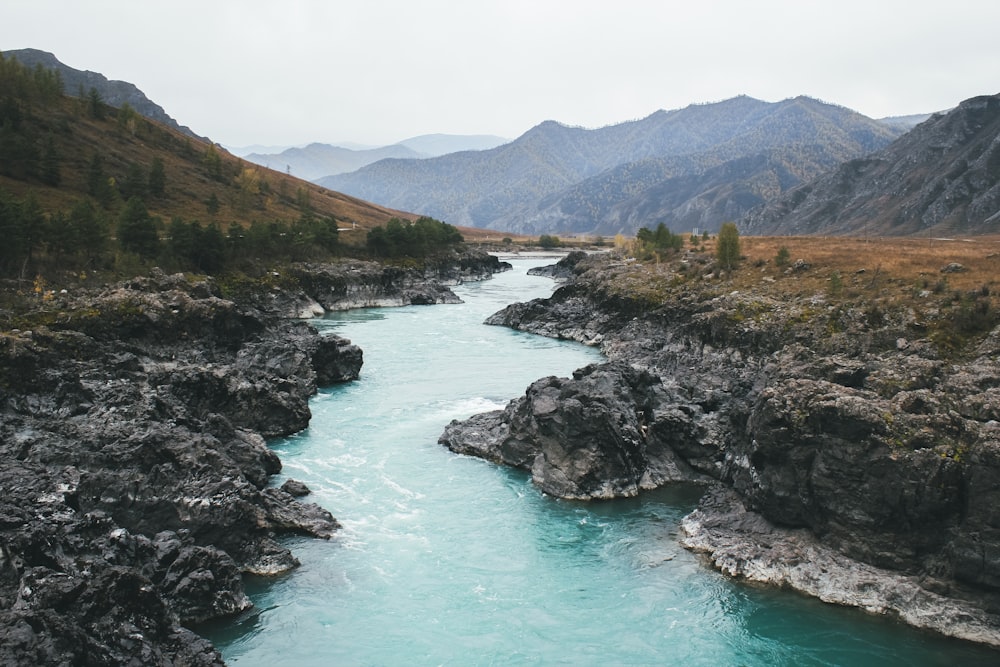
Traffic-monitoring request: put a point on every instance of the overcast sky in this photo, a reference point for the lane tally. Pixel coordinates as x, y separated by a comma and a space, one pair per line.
289, 72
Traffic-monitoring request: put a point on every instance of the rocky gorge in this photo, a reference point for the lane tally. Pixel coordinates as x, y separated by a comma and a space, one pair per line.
134, 471
849, 450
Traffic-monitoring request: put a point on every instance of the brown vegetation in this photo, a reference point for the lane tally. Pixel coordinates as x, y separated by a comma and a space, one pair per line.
194, 172
868, 263
941, 289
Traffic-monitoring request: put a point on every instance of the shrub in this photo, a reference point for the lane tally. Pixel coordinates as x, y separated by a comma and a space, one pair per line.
548, 241
783, 258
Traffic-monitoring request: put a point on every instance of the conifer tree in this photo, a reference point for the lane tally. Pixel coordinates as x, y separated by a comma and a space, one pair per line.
50, 164
95, 104
157, 180
137, 231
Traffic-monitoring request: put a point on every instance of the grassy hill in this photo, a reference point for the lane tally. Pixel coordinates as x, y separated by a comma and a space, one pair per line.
194, 171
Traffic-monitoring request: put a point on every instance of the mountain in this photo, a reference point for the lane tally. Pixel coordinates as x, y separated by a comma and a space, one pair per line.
434, 145
243, 151
682, 191
317, 160
113, 93
941, 178
907, 123
559, 178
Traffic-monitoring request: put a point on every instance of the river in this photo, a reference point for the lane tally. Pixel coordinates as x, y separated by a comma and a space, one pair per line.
450, 560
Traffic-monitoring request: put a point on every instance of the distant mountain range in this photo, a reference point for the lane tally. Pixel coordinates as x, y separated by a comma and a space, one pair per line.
113, 93
318, 160
799, 166
692, 167
941, 178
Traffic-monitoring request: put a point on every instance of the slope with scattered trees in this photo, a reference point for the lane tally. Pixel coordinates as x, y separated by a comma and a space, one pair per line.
87, 187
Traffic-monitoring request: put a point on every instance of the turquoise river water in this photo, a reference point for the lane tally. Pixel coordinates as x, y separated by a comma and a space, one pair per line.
450, 560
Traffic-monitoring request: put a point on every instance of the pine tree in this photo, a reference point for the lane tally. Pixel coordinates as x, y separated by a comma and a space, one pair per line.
90, 229
98, 184
50, 164
157, 180
95, 104
137, 231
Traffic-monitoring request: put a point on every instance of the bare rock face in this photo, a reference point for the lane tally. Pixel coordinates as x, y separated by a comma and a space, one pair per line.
581, 438
134, 472
309, 290
747, 546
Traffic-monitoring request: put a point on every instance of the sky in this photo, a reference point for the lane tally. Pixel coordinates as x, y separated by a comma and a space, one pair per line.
291, 72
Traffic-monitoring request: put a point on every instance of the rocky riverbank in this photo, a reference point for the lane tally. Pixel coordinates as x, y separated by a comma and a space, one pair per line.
853, 455
134, 474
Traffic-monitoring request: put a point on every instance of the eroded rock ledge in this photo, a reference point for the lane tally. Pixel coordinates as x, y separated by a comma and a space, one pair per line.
134, 473
852, 462
309, 290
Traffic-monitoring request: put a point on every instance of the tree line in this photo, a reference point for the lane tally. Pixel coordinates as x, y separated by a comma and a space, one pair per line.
89, 237
411, 239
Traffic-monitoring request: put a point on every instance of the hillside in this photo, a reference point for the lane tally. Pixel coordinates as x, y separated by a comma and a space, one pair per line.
688, 192
521, 186
941, 178
58, 152
115, 93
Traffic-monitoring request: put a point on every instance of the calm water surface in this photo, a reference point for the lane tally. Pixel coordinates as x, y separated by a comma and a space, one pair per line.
449, 560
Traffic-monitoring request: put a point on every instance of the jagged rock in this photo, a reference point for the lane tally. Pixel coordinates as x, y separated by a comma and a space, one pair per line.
561, 270
336, 360
744, 545
357, 284
585, 437
139, 413
295, 488
203, 583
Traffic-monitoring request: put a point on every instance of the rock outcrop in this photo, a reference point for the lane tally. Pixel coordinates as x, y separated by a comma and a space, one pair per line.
839, 438
582, 438
309, 290
134, 472
562, 270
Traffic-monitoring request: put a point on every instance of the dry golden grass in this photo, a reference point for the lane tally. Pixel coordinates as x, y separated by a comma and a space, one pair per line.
905, 261
884, 279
